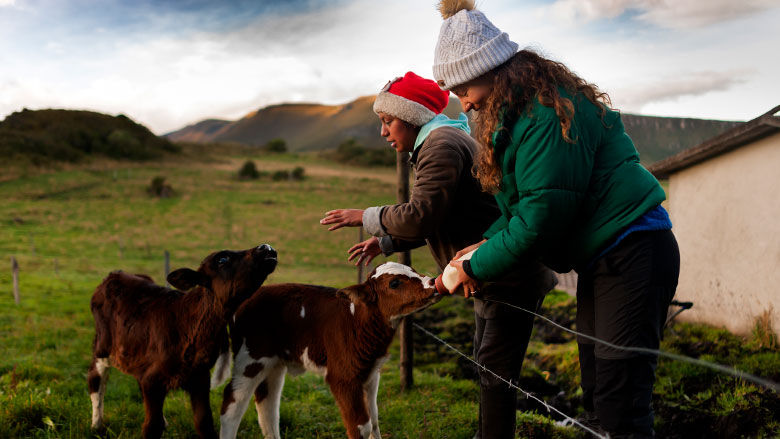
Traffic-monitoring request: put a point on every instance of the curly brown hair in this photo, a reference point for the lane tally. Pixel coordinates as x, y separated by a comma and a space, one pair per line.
514, 86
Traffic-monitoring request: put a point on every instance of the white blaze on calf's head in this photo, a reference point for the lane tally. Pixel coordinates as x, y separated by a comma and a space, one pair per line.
401, 269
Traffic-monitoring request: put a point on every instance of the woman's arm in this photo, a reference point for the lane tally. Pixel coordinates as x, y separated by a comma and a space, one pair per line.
550, 180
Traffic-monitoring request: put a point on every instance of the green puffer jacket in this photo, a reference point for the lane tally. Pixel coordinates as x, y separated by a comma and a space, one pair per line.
562, 202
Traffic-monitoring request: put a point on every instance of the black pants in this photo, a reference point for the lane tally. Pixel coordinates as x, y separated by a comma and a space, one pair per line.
623, 299
500, 341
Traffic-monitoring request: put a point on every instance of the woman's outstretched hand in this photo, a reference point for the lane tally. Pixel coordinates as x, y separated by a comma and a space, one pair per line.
469, 285
365, 251
343, 218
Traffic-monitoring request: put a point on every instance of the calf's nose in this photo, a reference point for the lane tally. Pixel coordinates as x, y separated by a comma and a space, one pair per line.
267, 250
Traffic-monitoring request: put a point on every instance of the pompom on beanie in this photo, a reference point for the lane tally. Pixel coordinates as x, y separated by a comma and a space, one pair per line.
469, 44
412, 98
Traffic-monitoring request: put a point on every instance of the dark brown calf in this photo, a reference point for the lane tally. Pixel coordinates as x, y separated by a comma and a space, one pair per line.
340, 334
170, 339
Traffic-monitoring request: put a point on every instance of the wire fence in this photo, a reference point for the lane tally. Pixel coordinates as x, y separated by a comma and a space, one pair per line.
512, 385
714, 366
568, 420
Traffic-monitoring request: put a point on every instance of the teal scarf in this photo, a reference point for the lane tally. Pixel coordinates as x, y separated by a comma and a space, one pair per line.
461, 123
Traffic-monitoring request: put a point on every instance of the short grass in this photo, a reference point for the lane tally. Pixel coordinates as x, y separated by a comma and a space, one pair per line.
69, 227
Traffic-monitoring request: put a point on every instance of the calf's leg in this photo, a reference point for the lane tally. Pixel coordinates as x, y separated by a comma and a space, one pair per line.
370, 389
96, 382
248, 373
352, 404
201, 409
267, 396
154, 397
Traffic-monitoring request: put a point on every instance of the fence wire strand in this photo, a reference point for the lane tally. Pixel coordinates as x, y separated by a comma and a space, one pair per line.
568, 419
510, 384
707, 364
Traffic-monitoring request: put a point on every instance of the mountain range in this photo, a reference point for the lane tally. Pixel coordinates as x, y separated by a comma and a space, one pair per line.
312, 127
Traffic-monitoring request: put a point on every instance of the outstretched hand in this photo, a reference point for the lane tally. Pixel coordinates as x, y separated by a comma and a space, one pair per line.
365, 251
343, 218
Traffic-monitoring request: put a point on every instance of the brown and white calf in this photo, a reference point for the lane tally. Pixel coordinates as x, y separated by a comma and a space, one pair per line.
170, 339
342, 335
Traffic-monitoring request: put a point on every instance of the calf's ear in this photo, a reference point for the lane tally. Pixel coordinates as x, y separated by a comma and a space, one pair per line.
186, 278
360, 293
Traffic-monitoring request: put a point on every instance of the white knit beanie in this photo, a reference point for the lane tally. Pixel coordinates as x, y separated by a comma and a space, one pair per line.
469, 44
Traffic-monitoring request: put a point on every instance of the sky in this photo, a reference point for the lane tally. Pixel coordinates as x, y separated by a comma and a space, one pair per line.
170, 63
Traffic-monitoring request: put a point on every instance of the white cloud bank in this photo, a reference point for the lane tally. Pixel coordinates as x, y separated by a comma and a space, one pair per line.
674, 88
165, 82
334, 55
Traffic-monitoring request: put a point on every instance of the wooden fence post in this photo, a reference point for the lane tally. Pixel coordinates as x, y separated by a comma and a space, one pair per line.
15, 269
407, 343
167, 267
360, 268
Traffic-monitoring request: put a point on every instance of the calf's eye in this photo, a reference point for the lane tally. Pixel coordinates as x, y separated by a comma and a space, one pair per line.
395, 283
223, 260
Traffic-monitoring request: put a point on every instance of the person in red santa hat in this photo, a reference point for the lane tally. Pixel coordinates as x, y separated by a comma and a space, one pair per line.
448, 210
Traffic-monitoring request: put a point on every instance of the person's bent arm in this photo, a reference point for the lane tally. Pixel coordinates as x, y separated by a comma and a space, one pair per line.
551, 177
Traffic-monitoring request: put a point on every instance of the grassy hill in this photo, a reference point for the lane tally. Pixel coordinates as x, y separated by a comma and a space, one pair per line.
657, 138
312, 127
67, 135
305, 127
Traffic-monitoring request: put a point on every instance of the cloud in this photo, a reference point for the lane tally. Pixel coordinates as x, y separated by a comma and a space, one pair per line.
675, 88
7, 3
165, 81
674, 14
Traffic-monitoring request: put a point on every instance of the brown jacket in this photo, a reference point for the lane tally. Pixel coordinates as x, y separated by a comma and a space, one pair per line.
446, 208
448, 211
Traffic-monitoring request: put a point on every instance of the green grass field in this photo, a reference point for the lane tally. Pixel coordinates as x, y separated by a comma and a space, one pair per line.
69, 227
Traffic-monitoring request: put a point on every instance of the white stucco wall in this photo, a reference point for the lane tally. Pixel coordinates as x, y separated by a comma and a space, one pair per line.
726, 216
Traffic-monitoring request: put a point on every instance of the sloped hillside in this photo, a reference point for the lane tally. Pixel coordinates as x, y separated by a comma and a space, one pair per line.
659, 137
308, 127
66, 135
304, 127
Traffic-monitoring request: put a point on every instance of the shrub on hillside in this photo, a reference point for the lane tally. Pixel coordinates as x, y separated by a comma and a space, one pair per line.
248, 171
353, 153
158, 188
297, 173
275, 145
281, 174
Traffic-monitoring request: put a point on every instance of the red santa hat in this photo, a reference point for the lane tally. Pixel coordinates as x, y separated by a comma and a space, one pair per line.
412, 98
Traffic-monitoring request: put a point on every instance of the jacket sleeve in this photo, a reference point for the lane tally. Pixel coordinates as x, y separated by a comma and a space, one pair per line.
389, 245
543, 194
500, 224
435, 183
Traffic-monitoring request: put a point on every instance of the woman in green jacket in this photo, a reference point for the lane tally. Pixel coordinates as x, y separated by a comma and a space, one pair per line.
573, 195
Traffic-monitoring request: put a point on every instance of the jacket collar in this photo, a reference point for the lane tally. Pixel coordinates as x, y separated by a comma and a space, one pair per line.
461, 123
